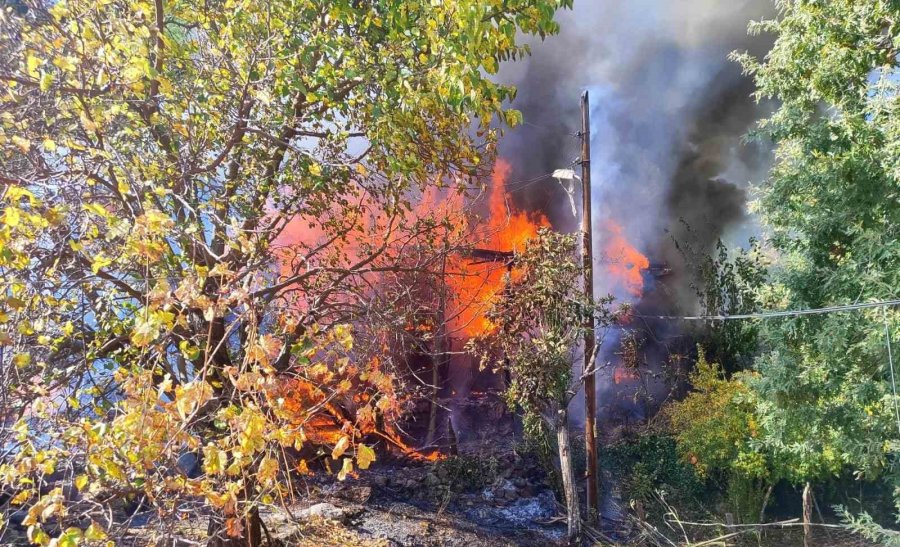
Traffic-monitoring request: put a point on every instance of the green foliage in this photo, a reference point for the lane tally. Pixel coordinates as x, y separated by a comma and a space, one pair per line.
716, 430
865, 526
715, 424
539, 323
540, 443
831, 204
652, 463
744, 496
728, 283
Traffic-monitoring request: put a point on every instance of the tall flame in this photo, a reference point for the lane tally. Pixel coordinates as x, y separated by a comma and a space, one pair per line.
476, 285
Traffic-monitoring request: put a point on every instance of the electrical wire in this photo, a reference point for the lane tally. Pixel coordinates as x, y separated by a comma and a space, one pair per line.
773, 314
887, 340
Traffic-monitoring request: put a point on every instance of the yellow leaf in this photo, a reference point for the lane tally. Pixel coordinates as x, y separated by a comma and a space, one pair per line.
31, 65
21, 497
123, 187
97, 209
95, 532
70, 538
65, 63
81, 481
302, 468
11, 217
215, 460
22, 360
364, 456
46, 81
191, 396
315, 169
21, 143
346, 469
15, 193
100, 261
268, 469
340, 447
49, 145
88, 124
37, 535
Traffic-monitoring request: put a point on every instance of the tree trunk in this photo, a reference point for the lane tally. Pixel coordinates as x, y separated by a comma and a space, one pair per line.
762, 510
432, 416
250, 535
245, 533
568, 476
807, 515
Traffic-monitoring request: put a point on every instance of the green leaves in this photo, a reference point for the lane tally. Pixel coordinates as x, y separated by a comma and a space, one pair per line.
539, 323
831, 207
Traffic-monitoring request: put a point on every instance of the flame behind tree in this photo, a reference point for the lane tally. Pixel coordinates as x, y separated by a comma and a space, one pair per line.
151, 154
623, 265
475, 284
539, 323
426, 288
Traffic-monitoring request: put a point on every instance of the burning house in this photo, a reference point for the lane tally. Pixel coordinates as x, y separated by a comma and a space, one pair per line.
667, 127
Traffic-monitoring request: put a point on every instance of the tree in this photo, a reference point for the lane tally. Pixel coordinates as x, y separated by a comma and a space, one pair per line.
195, 198
824, 390
537, 325
727, 283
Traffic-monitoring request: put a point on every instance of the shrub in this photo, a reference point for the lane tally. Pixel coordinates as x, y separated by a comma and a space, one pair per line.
651, 463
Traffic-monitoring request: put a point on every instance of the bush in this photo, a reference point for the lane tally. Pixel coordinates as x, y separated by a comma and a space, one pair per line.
650, 463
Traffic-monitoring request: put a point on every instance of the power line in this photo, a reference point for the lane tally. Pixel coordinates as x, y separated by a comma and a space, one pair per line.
887, 341
773, 314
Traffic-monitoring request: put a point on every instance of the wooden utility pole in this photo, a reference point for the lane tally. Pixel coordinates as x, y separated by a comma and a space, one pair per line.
590, 387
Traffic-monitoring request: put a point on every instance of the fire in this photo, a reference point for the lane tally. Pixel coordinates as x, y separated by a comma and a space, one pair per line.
333, 422
623, 263
508, 228
624, 375
473, 285
477, 284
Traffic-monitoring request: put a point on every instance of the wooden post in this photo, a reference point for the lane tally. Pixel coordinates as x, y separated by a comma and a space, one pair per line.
729, 522
573, 512
590, 387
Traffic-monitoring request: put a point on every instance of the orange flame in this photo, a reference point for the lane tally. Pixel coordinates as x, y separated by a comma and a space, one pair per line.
476, 285
624, 375
623, 263
473, 285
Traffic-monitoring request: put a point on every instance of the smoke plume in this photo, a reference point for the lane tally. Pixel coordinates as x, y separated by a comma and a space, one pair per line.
669, 113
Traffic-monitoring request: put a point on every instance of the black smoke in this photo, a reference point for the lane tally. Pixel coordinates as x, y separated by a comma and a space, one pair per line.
669, 111
670, 161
